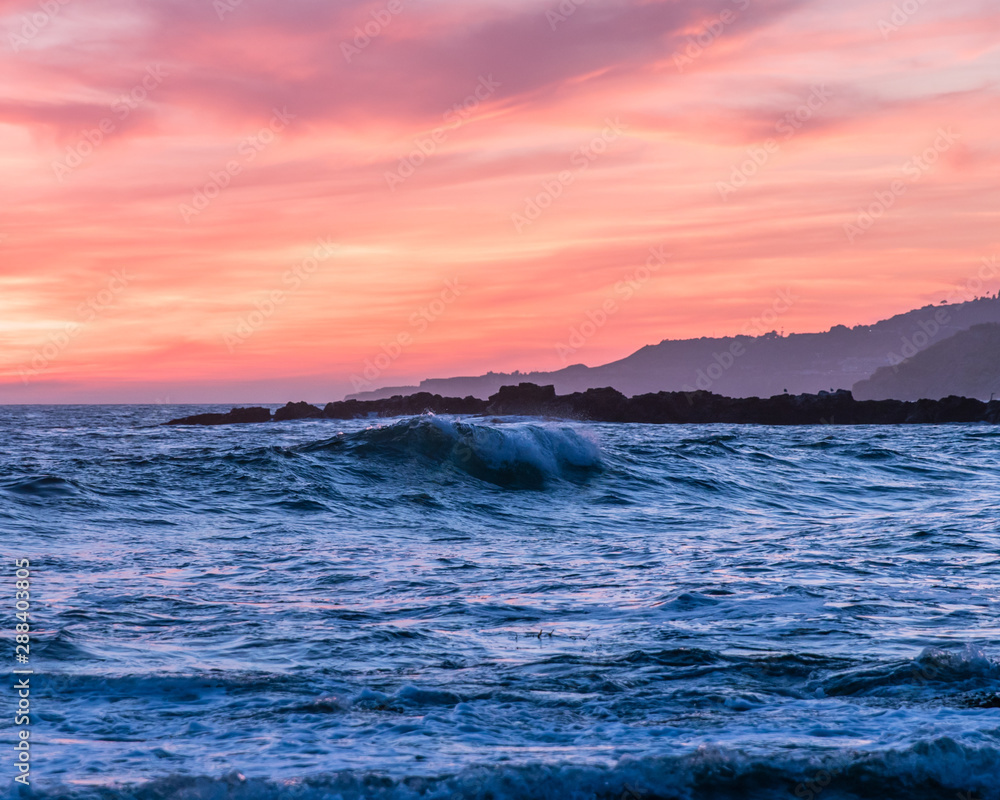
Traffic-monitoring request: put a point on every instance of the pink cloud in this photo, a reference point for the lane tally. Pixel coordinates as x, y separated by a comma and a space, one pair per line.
686, 128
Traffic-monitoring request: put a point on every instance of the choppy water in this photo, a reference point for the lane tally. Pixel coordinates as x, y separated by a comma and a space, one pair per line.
505, 609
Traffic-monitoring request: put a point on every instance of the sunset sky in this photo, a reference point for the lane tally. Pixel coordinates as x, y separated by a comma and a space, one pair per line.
247, 200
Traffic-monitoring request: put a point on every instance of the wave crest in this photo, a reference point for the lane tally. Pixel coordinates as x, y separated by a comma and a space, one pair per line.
512, 455
969, 668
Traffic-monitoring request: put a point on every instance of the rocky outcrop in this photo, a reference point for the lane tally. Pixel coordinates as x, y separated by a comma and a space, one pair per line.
399, 406
525, 398
610, 405
234, 416
301, 410
825, 408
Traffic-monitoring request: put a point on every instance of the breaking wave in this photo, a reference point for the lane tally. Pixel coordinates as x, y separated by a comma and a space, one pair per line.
510, 455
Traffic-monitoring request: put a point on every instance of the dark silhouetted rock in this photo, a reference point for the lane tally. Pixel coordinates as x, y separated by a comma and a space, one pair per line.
297, 411
398, 406
609, 405
236, 415
525, 398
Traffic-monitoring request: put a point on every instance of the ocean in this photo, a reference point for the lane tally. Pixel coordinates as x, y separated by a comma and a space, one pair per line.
435, 607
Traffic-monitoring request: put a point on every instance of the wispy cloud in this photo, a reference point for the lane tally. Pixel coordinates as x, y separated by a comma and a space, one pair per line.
552, 88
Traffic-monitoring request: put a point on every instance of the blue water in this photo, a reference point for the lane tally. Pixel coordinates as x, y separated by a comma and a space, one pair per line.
485, 608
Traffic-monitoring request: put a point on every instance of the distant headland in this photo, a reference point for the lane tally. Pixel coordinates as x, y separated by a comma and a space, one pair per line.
761, 362
610, 405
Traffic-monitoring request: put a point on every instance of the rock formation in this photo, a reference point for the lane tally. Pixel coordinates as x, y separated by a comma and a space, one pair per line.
610, 405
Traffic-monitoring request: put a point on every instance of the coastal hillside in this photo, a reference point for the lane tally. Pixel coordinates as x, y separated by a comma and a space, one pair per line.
966, 364
744, 366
